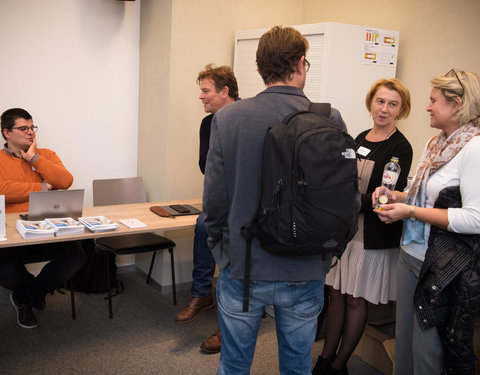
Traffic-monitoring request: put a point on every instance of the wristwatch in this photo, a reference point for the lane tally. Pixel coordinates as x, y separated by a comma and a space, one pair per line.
412, 213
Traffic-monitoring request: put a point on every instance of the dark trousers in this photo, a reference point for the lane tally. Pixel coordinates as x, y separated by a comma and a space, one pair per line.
65, 258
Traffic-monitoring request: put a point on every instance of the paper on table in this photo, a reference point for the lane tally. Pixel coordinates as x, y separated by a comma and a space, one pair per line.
98, 223
133, 223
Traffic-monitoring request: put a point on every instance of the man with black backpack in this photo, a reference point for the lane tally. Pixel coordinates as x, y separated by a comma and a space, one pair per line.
232, 198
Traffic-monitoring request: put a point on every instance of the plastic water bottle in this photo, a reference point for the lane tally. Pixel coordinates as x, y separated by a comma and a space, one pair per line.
389, 180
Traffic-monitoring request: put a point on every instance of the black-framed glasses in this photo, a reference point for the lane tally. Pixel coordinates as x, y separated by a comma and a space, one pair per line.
452, 71
25, 129
307, 65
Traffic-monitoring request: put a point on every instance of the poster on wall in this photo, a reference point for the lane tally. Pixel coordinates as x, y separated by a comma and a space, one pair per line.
2, 218
380, 48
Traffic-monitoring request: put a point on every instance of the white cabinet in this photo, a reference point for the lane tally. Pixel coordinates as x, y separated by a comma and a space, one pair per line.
345, 61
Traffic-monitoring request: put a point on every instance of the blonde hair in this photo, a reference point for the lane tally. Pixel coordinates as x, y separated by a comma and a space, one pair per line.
395, 85
463, 87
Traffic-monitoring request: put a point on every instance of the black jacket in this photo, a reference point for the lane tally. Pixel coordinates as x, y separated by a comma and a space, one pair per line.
204, 141
376, 234
448, 290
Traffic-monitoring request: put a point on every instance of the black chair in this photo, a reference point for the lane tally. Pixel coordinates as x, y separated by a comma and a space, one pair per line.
123, 191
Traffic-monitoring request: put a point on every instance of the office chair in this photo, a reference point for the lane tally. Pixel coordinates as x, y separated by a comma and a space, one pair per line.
123, 191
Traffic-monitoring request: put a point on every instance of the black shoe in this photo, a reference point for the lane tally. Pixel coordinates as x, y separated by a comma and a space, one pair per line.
322, 365
40, 305
336, 371
25, 317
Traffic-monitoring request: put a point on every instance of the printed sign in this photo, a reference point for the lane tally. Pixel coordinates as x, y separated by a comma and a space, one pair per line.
380, 48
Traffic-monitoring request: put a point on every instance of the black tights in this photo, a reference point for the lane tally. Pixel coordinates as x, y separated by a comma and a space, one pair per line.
346, 320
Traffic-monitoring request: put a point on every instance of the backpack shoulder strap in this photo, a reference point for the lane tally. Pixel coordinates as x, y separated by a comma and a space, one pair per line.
322, 109
248, 232
325, 110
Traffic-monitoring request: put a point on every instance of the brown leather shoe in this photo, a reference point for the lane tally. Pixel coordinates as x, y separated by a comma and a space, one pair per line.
213, 344
196, 304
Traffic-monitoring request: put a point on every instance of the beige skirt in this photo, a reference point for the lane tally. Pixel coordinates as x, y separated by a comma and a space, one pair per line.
371, 274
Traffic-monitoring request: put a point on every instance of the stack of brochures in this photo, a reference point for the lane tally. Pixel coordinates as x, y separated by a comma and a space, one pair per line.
64, 226
98, 223
34, 229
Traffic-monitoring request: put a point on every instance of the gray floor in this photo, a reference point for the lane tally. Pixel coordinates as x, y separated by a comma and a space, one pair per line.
141, 339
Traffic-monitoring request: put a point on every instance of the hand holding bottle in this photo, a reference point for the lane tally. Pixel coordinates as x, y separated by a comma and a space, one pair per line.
389, 180
383, 191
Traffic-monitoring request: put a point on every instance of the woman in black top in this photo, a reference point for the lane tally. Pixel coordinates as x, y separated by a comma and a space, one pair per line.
366, 271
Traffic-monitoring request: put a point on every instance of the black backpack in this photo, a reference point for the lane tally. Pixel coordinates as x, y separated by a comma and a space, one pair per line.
310, 199
92, 277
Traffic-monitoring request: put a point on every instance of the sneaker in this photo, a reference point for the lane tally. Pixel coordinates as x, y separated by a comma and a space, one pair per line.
25, 317
40, 305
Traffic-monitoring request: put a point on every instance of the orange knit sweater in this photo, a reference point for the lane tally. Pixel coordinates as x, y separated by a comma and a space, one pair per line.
18, 177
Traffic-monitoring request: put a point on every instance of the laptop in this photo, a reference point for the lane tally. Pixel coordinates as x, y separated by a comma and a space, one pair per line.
55, 203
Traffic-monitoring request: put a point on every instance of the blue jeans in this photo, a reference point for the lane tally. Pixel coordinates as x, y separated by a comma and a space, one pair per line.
417, 351
203, 261
296, 305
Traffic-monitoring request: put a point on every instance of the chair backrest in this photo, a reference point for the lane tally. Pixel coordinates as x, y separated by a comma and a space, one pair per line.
118, 191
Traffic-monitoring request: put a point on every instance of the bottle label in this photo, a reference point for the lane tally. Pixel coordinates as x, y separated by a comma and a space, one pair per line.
390, 177
383, 199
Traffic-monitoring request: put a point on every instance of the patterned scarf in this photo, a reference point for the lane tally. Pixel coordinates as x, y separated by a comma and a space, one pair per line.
440, 150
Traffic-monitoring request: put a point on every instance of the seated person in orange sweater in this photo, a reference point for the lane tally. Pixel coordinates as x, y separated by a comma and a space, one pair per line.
24, 168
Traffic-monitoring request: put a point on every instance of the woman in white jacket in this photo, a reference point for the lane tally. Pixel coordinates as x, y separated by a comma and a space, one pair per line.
450, 159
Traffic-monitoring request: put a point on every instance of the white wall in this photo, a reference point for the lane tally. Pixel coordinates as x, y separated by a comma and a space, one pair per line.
73, 64
178, 38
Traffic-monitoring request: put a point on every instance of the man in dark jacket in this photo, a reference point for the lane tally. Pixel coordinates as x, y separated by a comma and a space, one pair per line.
231, 196
218, 87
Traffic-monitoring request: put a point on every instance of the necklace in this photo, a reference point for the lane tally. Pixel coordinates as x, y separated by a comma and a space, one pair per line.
380, 143
373, 135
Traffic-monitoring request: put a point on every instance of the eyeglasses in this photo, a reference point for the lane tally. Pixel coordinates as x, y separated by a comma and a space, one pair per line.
458, 79
307, 65
25, 129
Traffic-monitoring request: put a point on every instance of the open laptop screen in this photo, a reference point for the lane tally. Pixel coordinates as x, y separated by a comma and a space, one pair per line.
55, 203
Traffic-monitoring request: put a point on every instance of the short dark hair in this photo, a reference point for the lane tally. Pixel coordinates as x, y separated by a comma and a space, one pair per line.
221, 76
279, 51
11, 115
